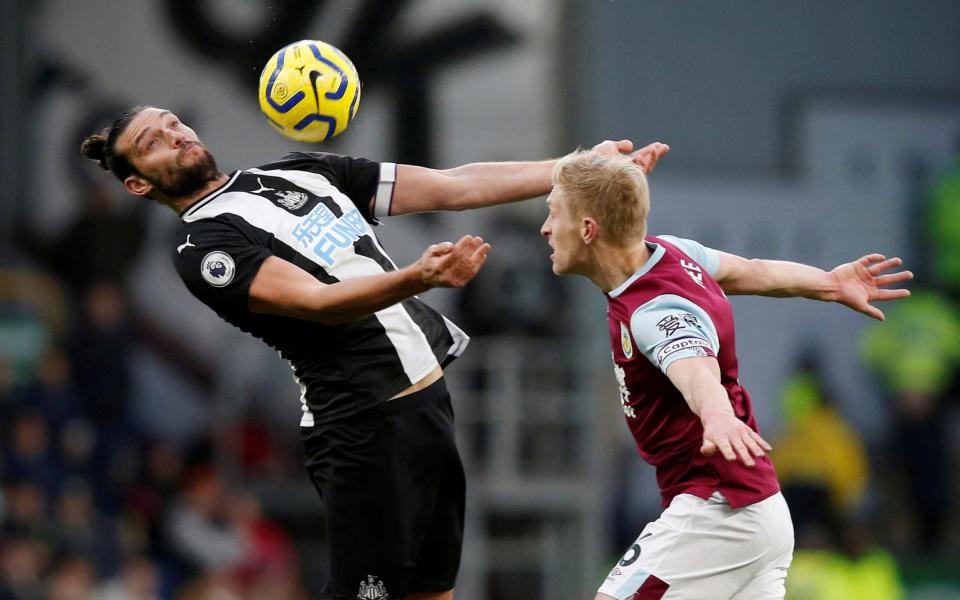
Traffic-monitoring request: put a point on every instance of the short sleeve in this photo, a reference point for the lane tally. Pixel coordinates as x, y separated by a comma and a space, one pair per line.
217, 261
706, 257
671, 327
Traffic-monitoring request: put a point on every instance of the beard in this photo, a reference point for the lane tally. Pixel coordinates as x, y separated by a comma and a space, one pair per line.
189, 176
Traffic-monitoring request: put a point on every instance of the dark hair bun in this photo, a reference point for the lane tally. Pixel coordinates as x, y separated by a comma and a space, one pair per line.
94, 148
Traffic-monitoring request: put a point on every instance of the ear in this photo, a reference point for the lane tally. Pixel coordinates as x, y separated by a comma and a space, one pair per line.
589, 230
138, 186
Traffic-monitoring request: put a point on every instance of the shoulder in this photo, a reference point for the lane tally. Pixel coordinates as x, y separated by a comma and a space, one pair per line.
197, 240
318, 162
706, 257
218, 258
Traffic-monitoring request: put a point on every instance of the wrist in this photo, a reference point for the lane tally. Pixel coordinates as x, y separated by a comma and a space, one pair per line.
715, 412
416, 277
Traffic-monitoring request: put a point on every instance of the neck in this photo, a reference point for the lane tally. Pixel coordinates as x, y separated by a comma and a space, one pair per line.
182, 203
612, 265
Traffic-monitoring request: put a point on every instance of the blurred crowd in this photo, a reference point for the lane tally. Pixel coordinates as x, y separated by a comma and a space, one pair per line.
94, 504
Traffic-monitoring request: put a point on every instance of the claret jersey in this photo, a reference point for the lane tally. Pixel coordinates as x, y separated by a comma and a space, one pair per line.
672, 309
314, 210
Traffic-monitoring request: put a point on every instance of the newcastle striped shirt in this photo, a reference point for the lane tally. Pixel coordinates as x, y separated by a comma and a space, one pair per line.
314, 210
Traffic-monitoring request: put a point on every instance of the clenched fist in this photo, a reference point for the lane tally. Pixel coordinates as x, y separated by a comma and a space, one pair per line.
453, 265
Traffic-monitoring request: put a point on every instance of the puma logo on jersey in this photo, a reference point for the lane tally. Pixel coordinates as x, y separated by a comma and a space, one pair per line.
694, 271
185, 245
263, 188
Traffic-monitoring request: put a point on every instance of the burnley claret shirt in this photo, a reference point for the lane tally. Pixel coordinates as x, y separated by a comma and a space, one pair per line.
670, 310
314, 210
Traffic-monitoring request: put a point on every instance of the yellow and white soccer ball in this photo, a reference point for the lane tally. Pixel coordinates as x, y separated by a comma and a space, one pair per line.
309, 91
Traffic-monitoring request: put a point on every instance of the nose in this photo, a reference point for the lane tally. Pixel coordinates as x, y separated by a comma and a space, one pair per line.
545, 230
176, 138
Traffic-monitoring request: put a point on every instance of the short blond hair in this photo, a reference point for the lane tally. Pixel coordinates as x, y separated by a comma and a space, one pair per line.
612, 190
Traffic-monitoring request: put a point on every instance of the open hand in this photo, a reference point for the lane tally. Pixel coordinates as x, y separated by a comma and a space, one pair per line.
453, 265
646, 158
723, 431
862, 281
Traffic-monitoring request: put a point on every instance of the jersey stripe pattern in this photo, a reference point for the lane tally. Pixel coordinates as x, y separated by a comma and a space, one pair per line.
313, 210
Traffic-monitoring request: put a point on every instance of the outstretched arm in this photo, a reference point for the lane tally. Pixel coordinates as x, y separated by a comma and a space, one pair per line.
855, 284
282, 288
418, 189
698, 379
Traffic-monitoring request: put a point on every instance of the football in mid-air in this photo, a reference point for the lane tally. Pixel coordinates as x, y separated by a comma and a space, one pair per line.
309, 91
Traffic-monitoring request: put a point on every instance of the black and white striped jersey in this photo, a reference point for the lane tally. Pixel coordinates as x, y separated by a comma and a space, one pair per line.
314, 210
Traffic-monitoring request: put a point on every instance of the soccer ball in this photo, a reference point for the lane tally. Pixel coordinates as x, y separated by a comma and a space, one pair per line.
309, 91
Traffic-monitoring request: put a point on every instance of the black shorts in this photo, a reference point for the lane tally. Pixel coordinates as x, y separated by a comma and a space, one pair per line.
393, 487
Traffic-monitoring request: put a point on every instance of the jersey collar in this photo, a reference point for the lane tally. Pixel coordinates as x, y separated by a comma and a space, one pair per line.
658, 252
206, 199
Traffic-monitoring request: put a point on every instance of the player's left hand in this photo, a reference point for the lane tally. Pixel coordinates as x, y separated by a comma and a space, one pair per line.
646, 158
861, 282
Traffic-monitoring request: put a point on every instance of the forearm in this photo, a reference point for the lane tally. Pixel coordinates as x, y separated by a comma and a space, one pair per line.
469, 186
494, 183
780, 279
705, 395
282, 289
348, 300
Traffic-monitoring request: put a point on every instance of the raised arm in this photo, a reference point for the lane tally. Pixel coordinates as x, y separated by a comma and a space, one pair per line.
855, 284
698, 379
282, 288
418, 189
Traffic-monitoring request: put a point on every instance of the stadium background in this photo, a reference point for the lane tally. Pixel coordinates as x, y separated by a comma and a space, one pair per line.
148, 446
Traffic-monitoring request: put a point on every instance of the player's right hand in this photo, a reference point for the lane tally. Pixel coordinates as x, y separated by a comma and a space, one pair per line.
453, 265
724, 432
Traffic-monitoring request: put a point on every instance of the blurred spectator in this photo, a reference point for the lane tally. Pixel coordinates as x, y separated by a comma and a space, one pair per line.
32, 319
859, 570
941, 231
72, 579
269, 561
29, 455
26, 513
102, 354
82, 531
257, 450
915, 355
148, 500
22, 564
51, 391
137, 580
820, 459
198, 526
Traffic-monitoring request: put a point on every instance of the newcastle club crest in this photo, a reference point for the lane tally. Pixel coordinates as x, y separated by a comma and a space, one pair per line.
372, 589
291, 200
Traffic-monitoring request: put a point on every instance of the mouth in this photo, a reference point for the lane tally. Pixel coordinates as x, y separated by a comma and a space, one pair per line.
187, 147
